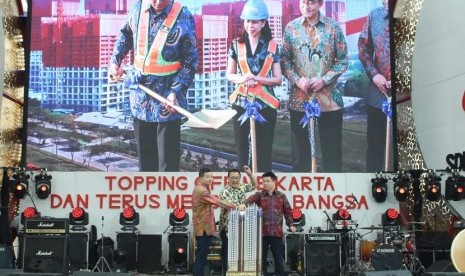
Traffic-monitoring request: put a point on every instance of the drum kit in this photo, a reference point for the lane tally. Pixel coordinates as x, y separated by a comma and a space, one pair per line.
397, 250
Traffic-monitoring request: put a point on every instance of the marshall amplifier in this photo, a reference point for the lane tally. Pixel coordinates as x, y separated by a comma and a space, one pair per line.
46, 253
323, 237
47, 226
322, 254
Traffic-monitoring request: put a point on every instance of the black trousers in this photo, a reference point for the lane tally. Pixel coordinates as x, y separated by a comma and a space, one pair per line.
264, 134
330, 130
158, 145
224, 251
376, 139
277, 249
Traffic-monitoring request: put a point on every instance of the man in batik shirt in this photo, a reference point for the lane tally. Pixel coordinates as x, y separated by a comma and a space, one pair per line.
375, 55
314, 55
161, 34
275, 207
203, 217
234, 192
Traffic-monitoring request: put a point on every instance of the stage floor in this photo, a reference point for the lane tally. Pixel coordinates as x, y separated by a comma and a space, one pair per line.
20, 272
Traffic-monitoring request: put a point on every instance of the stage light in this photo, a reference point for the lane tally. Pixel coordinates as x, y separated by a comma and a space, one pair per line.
20, 185
179, 218
129, 218
433, 188
78, 217
298, 219
29, 213
401, 188
455, 187
391, 217
43, 185
379, 189
342, 214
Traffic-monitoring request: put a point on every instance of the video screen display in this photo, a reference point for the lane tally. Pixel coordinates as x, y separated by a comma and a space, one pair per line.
81, 120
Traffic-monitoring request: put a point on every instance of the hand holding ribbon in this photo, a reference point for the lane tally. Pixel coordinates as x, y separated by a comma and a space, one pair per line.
387, 108
251, 110
312, 109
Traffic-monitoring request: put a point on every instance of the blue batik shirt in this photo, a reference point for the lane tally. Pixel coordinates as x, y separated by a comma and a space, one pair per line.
180, 46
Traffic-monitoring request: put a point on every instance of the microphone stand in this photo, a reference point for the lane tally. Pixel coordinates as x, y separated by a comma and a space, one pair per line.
102, 261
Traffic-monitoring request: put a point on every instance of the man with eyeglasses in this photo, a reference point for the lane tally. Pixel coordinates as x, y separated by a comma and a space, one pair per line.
234, 192
314, 55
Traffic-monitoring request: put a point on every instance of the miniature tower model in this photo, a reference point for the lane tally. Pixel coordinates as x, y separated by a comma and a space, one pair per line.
245, 241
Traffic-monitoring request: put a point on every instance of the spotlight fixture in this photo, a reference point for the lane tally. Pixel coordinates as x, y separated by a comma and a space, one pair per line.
379, 189
79, 218
179, 218
342, 214
129, 218
43, 185
401, 187
29, 213
390, 218
298, 219
20, 185
455, 187
433, 187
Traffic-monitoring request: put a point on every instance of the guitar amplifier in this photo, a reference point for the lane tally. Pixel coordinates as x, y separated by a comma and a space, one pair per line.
322, 254
323, 237
47, 226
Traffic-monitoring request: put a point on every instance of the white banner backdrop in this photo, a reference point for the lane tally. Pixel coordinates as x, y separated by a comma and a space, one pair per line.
155, 195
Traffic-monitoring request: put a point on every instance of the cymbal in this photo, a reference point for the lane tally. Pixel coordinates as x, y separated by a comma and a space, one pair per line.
372, 228
416, 222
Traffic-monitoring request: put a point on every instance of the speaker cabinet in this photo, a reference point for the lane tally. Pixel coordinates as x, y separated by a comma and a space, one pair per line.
294, 249
322, 254
45, 253
387, 273
178, 258
128, 243
78, 251
149, 253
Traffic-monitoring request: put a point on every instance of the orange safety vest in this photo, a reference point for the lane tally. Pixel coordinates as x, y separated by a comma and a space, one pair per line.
152, 62
260, 91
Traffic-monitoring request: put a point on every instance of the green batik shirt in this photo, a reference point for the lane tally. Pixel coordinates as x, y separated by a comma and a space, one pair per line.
235, 196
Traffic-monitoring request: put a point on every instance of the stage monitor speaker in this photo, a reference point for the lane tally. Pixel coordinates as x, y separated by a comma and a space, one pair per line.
387, 273
441, 266
45, 253
88, 273
78, 251
294, 247
149, 253
322, 254
128, 243
178, 257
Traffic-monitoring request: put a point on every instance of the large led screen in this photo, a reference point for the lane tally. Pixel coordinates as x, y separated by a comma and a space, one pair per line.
79, 121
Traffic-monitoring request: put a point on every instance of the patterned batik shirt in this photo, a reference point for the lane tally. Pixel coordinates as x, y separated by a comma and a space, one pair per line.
375, 53
180, 46
203, 217
274, 208
255, 62
314, 51
235, 196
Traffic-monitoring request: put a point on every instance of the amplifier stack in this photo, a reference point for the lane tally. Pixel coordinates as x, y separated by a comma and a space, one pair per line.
46, 245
